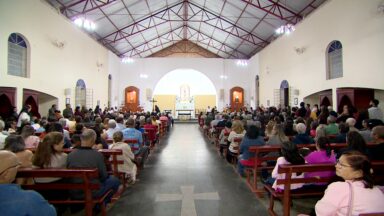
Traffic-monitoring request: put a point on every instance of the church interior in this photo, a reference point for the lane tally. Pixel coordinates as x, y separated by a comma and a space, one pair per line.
184, 66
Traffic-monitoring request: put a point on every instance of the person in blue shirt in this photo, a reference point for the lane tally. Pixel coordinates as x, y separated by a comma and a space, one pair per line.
138, 149
14, 200
252, 138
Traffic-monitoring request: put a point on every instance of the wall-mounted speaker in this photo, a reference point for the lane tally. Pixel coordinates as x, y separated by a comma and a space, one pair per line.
67, 92
221, 94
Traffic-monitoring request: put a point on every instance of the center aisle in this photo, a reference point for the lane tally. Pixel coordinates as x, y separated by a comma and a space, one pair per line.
186, 177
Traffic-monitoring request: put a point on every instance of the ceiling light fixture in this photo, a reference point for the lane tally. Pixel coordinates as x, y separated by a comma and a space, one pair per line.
242, 63
84, 23
285, 29
127, 60
143, 76
223, 77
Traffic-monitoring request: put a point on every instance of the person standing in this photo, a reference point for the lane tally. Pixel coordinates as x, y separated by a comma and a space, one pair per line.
374, 111
68, 112
51, 113
24, 116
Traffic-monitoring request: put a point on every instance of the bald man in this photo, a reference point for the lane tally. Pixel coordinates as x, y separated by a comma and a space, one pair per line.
87, 157
377, 153
13, 199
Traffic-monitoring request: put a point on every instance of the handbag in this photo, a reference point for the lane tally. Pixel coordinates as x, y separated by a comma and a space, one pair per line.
350, 202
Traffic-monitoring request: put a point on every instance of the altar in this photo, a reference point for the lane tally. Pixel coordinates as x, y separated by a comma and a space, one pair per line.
184, 104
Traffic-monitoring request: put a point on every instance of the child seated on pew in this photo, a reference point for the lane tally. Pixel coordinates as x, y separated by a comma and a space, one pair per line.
290, 155
76, 141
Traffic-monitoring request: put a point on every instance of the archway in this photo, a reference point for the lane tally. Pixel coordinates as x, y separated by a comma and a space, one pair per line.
237, 98
132, 102
5, 107
284, 96
32, 102
185, 89
81, 93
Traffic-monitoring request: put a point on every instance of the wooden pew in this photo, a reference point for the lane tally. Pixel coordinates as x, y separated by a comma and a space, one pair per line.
259, 158
87, 186
287, 195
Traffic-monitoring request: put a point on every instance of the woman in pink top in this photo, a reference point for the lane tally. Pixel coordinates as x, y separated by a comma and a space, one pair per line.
290, 156
354, 196
323, 154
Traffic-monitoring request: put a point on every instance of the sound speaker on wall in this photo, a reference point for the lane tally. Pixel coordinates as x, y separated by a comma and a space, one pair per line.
221, 94
67, 92
148, 93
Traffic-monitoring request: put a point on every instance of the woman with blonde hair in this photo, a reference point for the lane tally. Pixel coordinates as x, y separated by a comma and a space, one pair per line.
237, 132
128, 167
269, 128
278, 135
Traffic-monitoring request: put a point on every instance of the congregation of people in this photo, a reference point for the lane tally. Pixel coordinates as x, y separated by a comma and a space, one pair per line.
362, 132
73, 139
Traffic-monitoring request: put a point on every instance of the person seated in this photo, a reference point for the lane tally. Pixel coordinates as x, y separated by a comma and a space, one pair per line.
355, 142
290, 155
331, 128
302, 137
31, 141
323, 154
251, 138
357, 194
76, 141
277, 136
223, 137
152, 132
351, 124
108, 134
128, 167
236, 132
13, 199
16, 144
87, 157
49, 154
131, 133
342, 136
3, 134
377, 152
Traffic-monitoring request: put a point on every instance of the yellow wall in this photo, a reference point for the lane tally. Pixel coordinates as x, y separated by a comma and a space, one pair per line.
166, 102
203, 101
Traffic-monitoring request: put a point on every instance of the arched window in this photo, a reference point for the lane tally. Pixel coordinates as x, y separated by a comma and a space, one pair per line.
81, 93
334, 60
17, 55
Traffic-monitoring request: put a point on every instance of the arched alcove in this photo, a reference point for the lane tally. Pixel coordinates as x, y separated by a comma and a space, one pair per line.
199, 88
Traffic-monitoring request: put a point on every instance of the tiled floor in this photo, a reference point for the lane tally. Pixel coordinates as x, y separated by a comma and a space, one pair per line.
186, 177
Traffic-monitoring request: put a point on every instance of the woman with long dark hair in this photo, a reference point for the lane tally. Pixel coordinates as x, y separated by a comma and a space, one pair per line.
355, 142
24, 116
323, 154
290, 155
357, 194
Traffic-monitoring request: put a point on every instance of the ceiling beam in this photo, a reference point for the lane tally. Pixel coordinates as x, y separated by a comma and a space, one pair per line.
89, 5
277, 10
140, 25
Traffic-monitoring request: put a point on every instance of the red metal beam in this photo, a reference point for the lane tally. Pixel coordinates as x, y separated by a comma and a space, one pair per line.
140, 25
233, 29
276, 9
89, 5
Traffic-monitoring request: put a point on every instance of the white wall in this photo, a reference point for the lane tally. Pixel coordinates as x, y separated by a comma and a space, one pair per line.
156, 68
52, 69
355, 23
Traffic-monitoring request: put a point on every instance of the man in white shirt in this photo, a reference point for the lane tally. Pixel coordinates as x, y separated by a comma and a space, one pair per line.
375, 112
3, 134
